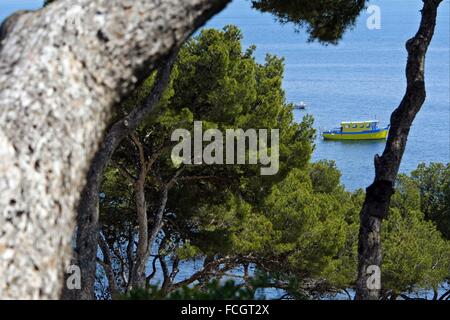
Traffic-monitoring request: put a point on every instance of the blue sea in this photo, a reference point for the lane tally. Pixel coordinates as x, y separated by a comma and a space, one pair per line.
361, 78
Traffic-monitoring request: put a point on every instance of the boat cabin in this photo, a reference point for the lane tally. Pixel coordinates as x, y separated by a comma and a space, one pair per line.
359, 126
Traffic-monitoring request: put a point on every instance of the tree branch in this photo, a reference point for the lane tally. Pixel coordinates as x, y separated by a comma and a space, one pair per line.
378, 194
106, 264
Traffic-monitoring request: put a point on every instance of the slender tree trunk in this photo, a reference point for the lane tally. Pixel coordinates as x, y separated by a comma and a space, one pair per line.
88, 209
108, 267
62, 69
378, 195
148, 237
142, 219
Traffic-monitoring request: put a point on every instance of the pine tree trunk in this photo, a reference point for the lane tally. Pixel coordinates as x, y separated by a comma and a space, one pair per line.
62, 69
378, 195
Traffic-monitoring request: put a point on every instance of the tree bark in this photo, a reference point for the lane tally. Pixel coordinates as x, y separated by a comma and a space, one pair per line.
62, 69
107, 266
147, 237
142, 219
378, 194
88, 209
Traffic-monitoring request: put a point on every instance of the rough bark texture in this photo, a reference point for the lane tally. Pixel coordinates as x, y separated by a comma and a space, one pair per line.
85, 252
378, 195
62, 69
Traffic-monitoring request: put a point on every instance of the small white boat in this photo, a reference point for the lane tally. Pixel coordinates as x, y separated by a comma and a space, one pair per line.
301, 106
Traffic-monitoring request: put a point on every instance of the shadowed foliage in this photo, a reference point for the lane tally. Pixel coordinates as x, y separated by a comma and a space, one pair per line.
324, 20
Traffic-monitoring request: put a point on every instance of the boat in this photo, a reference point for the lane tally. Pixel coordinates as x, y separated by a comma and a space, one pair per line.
301, 106
357, 130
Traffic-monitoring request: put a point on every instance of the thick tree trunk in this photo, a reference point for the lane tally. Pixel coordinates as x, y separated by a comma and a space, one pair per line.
62, 69
88, 209
378, 195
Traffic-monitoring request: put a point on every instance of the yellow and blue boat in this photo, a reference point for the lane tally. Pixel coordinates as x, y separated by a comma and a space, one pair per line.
357, 130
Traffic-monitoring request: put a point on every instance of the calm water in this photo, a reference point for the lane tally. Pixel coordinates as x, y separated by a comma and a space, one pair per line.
361, 78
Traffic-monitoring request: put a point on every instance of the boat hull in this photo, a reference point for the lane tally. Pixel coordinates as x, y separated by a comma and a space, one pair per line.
367, 135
